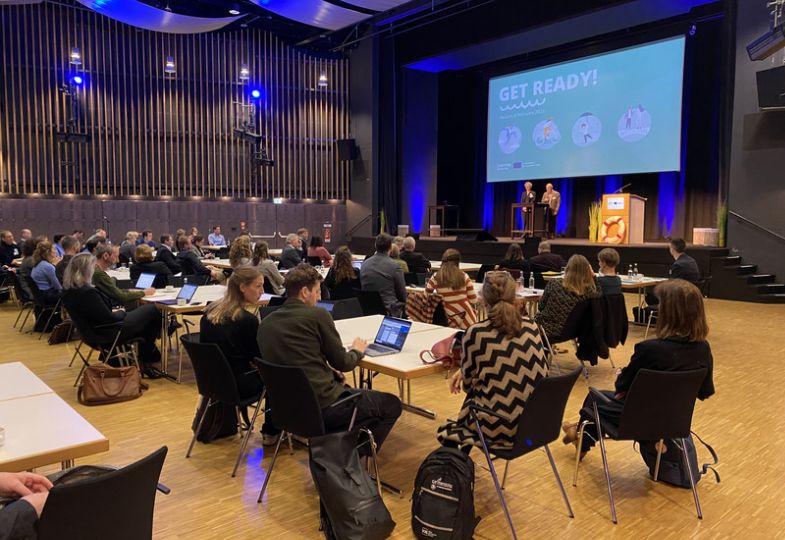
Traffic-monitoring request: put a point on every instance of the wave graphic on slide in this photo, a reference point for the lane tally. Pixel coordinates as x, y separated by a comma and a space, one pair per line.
522, 105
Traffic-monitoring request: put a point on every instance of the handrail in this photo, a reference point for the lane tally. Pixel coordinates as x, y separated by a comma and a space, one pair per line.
363, 221
756, 225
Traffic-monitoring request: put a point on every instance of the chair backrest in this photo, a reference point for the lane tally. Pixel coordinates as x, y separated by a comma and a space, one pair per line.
37, 296
266, 310
440, 315
268, 287
542, 415
371, 302
483, 269
659, 405
174, 281
572, 326
275, 301
21, 294
291, 399
515, 273
344, 289
346, 308
89, 334
214, 377
118, 504
314, 261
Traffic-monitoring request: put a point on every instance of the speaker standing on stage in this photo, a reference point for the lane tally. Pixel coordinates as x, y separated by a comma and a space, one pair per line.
552, 198
529, 196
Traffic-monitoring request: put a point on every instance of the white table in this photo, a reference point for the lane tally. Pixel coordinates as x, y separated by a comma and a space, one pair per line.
465, 266
120, 274
44, 429
17, 381
405, 365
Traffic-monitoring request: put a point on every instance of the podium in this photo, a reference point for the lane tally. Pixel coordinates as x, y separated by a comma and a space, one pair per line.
622, 218
533, 217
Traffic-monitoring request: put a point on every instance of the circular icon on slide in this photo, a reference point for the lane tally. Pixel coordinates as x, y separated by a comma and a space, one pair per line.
546, 134
634, 124
587, 130
510, 139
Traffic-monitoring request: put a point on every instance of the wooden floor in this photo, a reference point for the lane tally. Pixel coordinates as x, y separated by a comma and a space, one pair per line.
743, 421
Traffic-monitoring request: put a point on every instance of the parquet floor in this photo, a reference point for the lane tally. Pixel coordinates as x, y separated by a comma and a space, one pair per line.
743, 421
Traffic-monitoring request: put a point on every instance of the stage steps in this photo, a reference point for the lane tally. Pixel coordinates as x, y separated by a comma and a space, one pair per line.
734, 279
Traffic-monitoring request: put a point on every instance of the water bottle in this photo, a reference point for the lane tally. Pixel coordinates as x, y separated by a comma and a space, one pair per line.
629, 272
635, 271
531, 281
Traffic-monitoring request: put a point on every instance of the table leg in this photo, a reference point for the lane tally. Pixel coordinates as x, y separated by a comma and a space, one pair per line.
66, 464
406, 404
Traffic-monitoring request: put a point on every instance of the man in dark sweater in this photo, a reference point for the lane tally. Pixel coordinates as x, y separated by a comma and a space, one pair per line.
300, 334
70, 247
8, 249
416, 261
545, 261
683, 267
165, 255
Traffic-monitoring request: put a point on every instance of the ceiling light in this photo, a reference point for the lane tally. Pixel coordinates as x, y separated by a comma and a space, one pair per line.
323, 80
245, 74
169, 66
76, 58
233, 12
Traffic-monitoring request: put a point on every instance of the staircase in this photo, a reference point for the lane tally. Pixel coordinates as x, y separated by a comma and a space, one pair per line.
733, 279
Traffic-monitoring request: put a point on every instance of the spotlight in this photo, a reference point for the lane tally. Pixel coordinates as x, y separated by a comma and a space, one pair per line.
77, 80
245, 74
76, 58
769, 43
323, 80
169, 66
233, 12
256, 93
693, 30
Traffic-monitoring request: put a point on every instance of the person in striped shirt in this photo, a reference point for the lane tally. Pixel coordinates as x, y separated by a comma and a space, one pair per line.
456, 289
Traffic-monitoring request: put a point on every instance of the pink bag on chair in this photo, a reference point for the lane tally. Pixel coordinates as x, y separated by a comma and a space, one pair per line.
447, 351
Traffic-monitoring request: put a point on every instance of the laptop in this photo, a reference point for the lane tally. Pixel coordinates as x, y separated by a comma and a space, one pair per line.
390, 337
187, 292
145, 280
357, 264
326, 305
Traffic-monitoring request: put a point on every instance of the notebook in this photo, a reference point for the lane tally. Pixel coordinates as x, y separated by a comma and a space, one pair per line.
187, 292
390, 337
145, 280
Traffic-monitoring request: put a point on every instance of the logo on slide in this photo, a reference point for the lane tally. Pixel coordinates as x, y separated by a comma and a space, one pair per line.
510, 139
546, 134
587, 130
634, 124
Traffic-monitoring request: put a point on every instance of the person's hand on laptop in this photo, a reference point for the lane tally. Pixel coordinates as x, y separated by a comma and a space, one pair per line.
149, 291
359, 345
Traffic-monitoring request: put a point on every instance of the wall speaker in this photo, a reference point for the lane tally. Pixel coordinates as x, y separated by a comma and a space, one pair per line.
347, 149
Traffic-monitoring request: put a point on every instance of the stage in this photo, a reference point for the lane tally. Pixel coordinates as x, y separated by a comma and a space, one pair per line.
652, 258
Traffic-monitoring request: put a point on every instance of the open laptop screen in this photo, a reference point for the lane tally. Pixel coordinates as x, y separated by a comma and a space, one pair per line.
145, 280
187, 291
393, 332
326, 305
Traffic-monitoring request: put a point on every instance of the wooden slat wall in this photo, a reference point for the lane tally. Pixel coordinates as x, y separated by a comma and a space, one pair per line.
152, 136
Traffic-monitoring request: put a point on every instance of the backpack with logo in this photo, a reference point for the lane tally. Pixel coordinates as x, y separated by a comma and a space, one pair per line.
443, 497
672, 469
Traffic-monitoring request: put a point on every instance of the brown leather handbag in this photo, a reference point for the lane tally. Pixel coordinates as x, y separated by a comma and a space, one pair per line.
102, 384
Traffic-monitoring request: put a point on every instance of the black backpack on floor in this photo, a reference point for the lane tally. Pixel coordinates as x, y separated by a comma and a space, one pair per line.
672, 469
443, 497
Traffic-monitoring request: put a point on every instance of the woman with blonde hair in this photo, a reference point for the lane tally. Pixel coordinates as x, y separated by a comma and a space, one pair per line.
456, 289
562, 295
240, 253
680, 345
502, 358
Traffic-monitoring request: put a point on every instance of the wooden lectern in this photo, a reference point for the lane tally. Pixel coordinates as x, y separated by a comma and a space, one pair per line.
622, 218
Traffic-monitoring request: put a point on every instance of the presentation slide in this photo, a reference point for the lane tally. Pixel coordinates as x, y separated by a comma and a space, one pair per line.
614, 113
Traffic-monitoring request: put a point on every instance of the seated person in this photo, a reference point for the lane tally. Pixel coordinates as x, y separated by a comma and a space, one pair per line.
18, 519
191, 265
145, 264
44, 275
317, 249
562, 295
395, 255
146, 238
128, 247
106, 256
8, 249
291, 255
84, 300
299, 334
56, 239
197, 242
416, 261
545, 261
303, 235
380, 273
215, 238
680, 345
456, 289
343, 277
240, 254
514, 260
269, 269
610, 283
91, 243
166, 256
683, 267
25, 269
520, 339
70, 247
229, 324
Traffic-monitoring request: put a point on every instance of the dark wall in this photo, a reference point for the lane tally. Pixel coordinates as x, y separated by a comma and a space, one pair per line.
271, 221
757, 180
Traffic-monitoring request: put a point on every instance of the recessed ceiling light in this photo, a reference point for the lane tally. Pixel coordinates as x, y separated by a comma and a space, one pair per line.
233, 12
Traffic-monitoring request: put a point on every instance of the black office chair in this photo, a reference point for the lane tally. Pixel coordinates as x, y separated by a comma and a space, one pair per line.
314, 261
216, 383
539, 425
514, 273
348, 308
483, 270
42, 307
415, 279
268, 287
659, 405
371, 302
118, 504
266, 310
24, 301
295, 407
345, 289
276, 301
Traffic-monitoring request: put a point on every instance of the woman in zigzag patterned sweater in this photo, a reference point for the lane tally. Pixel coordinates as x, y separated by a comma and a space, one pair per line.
502, 360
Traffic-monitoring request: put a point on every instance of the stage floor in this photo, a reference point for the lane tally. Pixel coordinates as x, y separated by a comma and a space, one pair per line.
564, 242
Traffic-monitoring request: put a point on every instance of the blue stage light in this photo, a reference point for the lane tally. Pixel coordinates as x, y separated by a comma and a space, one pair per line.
256, 93
77, 80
